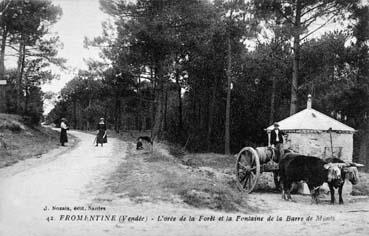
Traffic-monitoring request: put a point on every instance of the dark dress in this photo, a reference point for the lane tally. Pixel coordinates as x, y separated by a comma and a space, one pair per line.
63, 135
100, 135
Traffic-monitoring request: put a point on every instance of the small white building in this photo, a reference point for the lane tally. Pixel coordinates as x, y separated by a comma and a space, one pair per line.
313, 133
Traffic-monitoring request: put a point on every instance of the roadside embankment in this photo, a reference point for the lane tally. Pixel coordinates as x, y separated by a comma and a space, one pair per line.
165, 174
19, 141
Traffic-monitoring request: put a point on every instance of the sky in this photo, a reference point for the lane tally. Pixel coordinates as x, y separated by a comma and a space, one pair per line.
80, 18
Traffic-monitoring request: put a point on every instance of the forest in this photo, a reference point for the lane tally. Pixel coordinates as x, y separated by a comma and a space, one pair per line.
26, 40
206, 75
212, 75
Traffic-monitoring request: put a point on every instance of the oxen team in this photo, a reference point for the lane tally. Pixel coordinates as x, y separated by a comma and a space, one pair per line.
314, 171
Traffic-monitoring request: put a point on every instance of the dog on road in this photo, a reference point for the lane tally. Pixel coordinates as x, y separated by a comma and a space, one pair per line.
141, 139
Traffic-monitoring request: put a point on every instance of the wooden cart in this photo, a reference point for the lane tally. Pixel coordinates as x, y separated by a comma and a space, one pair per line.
252, 162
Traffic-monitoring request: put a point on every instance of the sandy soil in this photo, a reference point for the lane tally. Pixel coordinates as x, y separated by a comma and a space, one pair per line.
77, 178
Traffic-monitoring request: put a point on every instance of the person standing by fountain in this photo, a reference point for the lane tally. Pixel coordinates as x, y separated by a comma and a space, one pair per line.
277, 140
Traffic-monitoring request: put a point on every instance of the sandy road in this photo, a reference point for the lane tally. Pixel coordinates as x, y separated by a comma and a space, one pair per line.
77, 178
65, 181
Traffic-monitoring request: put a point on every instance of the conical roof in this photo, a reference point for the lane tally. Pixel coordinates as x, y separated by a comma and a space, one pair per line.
311, 120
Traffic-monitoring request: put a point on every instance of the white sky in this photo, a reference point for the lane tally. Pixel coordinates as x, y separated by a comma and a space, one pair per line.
80, 18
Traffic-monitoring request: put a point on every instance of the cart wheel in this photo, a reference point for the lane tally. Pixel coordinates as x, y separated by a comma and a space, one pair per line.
247, 169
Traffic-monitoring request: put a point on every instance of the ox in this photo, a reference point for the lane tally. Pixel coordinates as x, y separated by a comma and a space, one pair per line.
313, 170
348, 170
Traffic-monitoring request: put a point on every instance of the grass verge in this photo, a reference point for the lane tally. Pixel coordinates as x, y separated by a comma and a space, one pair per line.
206, 181
19, 141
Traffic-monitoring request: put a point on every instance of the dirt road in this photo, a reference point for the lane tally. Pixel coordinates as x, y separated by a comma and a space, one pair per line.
66, 196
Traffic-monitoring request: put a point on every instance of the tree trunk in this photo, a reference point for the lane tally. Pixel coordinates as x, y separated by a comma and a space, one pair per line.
180, 118
211, 114
228, 105
272, 100
200, 115
158, 117
143, 123
18, 83
74, 113
2, 71
140, 106
2, 54
120, 110
116, 111
194, 105
296, 58
27, 95
26, 99
363, 141
159, 102
79, 117
166, 111
20, 68
153, 105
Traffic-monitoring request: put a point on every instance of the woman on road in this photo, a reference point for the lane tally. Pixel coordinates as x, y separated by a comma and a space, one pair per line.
101, 133
63, 131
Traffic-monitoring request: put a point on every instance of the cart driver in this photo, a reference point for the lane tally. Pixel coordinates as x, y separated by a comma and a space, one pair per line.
276, 139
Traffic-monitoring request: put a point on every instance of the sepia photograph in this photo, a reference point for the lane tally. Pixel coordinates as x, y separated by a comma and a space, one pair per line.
184, 117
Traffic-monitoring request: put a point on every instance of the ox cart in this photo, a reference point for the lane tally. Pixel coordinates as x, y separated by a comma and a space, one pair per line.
251, 162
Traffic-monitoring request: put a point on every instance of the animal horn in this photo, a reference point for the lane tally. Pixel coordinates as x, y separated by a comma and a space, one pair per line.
357, 164
327, 166
340, 164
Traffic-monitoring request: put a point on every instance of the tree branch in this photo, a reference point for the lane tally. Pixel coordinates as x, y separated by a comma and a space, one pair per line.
316, 15
284, 16
321, 26
312, 9
6, 6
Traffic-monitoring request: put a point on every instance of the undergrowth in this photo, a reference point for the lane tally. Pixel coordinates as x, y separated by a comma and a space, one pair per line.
19, 141
163, 175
